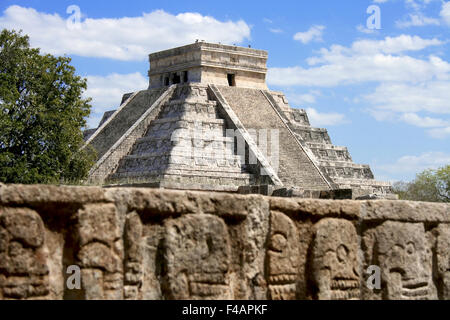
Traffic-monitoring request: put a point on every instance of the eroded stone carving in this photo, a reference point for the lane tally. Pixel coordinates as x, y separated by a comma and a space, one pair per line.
335, 260
158, 244
443, 258
197, 258
404, 257
134, 256
282, 257
254, 232
24, 273
101, 252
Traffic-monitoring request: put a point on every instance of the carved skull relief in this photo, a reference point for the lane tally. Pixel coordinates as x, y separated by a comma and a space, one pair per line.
134, 256
335, 262
443, 258
197, 258
282, 257
100, 255
23, 261
405, 261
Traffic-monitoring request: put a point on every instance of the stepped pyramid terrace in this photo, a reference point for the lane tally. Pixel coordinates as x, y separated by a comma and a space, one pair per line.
208, 121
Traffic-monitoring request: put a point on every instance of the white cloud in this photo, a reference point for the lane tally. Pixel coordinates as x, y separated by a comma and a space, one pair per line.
402, 102
417, 20
408, 89
366, 61
440, 133
445, 12
413, 4
432, 97
107, 91
276, 30
361, 69
318, 119
128, 38
300, 99
423, 122
394, 45
365, 30
413, 164
382, 115
418, 5
313, 34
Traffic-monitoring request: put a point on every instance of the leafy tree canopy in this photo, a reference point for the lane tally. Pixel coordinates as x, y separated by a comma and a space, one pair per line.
42, 113
429, 185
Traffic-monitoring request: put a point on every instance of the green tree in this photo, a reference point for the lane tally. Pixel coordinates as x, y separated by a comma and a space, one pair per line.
41, 116
429, 185
443, 183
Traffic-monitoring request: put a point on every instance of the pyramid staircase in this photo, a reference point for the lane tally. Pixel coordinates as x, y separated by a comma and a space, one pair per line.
334, 161
184, 147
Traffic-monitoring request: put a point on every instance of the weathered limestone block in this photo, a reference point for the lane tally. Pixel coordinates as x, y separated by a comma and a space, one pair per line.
443, 258
150, 244
305, 213
197, 258
52, 197
403, 252
134, 256
335, 260
98, 255
101, 252
252, 232
23, 258
282, 257
316, 208
410, 211
192, 92
152, 241
143, 239
98, 223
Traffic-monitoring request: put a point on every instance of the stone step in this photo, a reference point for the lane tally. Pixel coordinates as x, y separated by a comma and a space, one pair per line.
327, 152
185, 156
348, 173
325, 146
190, 110
188, 119
183, 172
343, 164
363, 182
205, 127
194, 181
187, 148
205, 103
312, 136
207, 134
199, 137
163, 162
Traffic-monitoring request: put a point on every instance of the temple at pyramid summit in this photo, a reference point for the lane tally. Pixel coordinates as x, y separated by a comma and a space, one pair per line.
208, 121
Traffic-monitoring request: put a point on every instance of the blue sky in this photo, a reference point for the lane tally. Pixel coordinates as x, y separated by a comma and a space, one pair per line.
383, 93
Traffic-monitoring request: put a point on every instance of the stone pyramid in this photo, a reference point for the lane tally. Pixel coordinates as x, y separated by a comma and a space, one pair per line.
209, 122
184, 144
